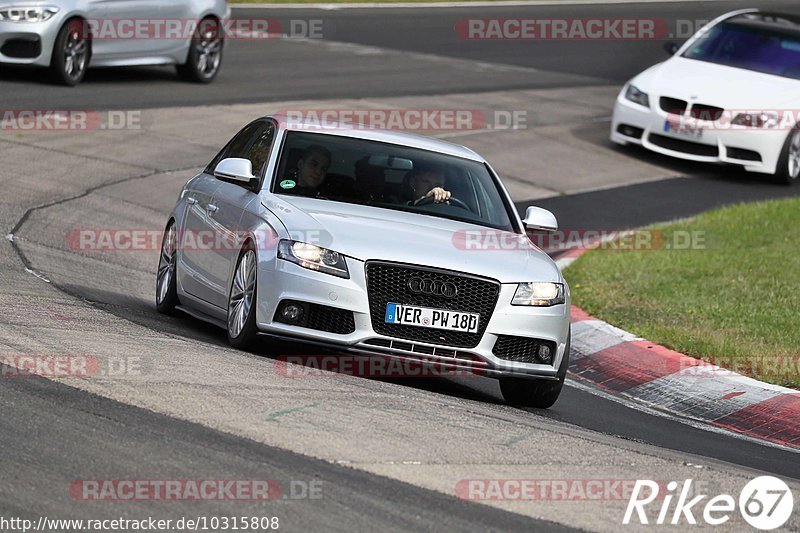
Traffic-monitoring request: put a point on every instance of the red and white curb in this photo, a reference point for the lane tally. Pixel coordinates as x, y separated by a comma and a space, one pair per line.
624, 365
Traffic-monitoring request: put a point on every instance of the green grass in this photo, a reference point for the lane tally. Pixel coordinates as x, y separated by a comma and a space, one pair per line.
738, 296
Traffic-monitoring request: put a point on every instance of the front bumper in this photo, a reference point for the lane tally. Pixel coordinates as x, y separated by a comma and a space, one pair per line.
26, 43
287, 281
755, 150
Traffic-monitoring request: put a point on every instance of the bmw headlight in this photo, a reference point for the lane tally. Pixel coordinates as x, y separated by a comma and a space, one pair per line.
313, 257
636, 96
27, 13
539, 294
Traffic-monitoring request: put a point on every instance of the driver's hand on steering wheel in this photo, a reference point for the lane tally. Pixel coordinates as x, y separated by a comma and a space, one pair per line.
438, 194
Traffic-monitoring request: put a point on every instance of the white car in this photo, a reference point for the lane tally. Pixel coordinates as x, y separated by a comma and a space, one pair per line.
327, 236
69, 36
730, 94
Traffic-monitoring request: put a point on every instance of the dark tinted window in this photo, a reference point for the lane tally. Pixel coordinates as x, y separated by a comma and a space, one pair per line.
258, 152
750, 45
387, 176
253, 143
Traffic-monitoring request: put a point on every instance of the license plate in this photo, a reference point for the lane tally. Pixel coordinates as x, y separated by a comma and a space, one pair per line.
426, 317
685, 130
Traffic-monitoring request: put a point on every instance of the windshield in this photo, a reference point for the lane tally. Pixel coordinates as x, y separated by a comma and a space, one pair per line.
389, 176
750, 45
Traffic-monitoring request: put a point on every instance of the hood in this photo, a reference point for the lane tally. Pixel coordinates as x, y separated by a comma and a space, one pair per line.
365, 233
718, 85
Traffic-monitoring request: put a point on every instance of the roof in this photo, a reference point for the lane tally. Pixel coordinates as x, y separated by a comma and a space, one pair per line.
356, 131
783, 23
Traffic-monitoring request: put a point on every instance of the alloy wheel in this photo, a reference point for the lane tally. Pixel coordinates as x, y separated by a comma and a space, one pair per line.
242, 294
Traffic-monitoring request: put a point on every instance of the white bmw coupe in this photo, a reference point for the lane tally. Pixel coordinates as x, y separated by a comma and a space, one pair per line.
730, 94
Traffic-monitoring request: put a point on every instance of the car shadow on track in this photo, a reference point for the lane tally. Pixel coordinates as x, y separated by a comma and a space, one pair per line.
142, 312
125, 75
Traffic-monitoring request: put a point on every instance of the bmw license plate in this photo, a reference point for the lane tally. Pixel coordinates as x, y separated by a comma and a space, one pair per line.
426, 317
675, 126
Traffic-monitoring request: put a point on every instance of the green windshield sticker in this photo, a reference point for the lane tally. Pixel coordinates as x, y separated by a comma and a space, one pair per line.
288, 184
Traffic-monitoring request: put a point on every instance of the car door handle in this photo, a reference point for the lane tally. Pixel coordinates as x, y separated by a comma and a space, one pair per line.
190, 200
211, 208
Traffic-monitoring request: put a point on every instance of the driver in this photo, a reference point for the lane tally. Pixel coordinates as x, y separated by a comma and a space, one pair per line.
312, 168
426, 182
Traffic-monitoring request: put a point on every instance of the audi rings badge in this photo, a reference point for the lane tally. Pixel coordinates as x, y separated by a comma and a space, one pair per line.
429, 287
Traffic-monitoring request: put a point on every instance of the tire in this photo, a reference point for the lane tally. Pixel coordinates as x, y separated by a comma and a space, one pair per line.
71, 54
241, 320
205, 53
166, 277
537, 393
788, 171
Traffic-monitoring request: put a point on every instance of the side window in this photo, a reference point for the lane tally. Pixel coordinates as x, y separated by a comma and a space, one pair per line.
258, 154
238, 146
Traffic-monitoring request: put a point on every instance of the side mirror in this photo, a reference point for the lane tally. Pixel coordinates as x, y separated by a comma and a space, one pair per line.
540, 219
671, 47
235, 169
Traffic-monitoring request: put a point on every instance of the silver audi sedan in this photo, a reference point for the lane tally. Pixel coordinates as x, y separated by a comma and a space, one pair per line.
69, 36
370, 242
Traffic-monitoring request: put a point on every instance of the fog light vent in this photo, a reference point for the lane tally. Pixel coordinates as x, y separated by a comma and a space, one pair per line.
524, 349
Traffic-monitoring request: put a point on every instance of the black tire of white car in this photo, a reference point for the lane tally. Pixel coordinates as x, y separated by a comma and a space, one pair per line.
248, 336
70, 43
196, 67
537, 393
783, 174
167, 259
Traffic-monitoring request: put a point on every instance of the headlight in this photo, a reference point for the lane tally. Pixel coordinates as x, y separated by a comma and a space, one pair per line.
314, 258
27, 14
539, 294
633, 94
767, 119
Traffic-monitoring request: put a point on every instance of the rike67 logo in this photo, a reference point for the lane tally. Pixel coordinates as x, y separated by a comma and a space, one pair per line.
765, 503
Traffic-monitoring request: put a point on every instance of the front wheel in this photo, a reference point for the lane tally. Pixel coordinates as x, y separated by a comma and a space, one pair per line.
788, 170
205, 53
70, 54
242, 330
536, 393
166, 283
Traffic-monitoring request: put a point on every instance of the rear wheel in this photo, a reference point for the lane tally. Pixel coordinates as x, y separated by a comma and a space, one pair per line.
788, 170
242, 330
205, 53
536, 392
71, 54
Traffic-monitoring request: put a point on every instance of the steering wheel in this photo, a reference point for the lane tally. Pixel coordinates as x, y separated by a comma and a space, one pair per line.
452, 201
